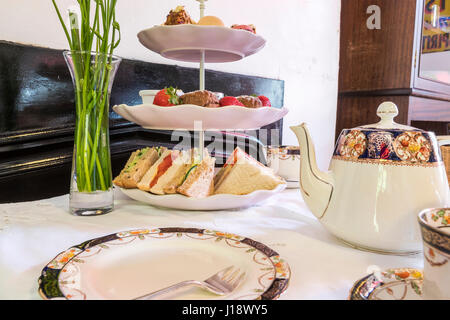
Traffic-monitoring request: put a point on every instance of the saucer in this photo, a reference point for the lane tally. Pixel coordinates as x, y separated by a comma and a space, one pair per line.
391, 284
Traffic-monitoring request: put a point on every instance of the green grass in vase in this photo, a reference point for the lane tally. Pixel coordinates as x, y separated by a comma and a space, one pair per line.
96, 33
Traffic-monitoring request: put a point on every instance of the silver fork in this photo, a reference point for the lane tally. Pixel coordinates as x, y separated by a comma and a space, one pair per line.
221, 283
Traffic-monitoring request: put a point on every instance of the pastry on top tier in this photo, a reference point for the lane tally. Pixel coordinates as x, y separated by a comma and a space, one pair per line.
178, 16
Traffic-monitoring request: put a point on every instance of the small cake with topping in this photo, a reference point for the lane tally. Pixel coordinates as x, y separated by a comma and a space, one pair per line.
178, 16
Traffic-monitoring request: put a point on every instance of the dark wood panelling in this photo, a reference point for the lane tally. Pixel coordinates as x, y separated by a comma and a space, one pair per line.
440, 128
37, 122
376, 59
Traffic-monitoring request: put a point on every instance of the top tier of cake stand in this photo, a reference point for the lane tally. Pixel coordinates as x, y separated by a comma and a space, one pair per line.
187, 42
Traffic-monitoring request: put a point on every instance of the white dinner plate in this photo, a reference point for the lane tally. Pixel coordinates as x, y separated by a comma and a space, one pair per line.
186, 42
185, 117
130, 264
214, 202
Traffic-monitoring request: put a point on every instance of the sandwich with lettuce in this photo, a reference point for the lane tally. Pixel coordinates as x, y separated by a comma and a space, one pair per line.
136, 167
198, 181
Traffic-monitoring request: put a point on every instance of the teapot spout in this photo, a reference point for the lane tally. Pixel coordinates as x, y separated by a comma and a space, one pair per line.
316, 186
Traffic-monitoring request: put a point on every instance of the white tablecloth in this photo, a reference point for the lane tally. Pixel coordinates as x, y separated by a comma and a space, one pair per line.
32, 233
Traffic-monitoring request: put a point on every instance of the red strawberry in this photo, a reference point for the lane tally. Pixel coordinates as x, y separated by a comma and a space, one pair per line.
248, 27
167, 97
230, 101
265, 101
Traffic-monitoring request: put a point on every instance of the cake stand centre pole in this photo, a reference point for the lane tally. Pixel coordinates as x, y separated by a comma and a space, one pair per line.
202, 52
200, 131
202, 70
202, 8
201, 143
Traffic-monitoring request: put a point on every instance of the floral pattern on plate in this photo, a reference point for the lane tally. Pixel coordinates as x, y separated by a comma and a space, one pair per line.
136, 232
223, 235
413, 147
391, 284
282, 268
62, 258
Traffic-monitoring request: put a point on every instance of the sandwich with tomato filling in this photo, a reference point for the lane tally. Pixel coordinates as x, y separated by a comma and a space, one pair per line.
180, 172
136, 167
242, 174
169, 165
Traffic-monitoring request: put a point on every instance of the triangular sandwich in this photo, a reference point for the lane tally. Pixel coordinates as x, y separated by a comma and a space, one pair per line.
137, 165
198, 182
169, 165
194, 159
243, 174
180, 161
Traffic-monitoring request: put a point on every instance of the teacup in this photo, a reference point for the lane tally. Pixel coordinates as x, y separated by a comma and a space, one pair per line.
285, 161
435, 228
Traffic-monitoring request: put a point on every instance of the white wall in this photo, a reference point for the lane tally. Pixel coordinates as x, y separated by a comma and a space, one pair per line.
302, 47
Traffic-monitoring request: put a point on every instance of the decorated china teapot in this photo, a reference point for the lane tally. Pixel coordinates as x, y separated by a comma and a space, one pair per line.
381, 176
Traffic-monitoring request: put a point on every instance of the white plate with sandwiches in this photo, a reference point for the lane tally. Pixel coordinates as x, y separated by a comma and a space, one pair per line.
189, 117
186, 180
214, 202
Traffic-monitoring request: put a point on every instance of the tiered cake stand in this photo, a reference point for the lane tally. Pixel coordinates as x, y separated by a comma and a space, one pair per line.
200, 44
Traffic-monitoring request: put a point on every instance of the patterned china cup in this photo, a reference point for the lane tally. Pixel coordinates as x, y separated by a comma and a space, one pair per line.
285, 161
435, 228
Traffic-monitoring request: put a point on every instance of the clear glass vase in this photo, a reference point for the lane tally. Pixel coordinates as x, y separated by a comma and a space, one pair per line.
91, 190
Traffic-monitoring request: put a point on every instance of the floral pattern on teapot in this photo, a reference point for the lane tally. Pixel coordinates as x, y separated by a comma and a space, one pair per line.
353, 144
395, 147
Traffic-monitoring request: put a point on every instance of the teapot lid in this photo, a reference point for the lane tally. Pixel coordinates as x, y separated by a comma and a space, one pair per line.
387, 111
387, 142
